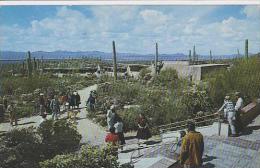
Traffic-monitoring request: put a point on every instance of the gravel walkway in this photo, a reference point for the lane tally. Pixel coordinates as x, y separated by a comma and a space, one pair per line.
91, 132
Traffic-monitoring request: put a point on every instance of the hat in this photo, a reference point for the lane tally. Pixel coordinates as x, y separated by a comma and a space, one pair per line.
237, 93
112, 107
41, 94
227, 97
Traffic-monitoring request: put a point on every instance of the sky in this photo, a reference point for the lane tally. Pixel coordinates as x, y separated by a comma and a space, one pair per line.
135, 29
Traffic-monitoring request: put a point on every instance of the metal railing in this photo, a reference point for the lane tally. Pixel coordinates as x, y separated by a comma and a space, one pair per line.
199, 121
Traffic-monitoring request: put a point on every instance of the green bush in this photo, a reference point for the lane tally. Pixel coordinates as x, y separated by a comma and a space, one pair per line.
166, 77
26, 147
243, 76
27, 85
88, 157
20, 149
58, 137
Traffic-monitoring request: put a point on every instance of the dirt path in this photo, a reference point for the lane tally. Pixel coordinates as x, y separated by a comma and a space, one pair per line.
91, 132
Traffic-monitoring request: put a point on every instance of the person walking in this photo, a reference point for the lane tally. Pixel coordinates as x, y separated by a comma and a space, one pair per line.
111, 117
12, 114
55, 107
73, 100
77, 99
5, 102
192, 148
143, 131
231, 114
119, 131
91, 102
238, 107
42, 104
112, 139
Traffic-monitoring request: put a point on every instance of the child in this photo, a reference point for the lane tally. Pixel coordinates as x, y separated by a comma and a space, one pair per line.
119, 131
113, 139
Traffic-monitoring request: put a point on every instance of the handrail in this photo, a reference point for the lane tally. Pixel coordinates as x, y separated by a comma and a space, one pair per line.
206, 116
179, 126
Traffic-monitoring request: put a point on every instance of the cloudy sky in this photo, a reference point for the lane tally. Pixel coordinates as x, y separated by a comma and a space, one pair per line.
135, 29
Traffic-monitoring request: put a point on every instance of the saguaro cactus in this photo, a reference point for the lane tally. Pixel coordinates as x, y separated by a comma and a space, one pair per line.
238, 53
156, 58
190, 59
246, 48
114, 59
194, 54
34, 64
29, 64
210, 56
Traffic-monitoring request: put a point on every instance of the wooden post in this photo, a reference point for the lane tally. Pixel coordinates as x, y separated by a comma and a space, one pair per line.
156, 58
246, 48
114, 59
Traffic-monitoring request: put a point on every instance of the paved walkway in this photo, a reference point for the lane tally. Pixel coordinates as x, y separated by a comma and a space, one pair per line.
91, 132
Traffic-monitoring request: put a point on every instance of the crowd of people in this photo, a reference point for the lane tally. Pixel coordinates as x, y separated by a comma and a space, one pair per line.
191, 143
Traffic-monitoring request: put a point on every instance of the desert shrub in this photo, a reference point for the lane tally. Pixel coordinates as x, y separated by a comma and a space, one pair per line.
20, 149
129, 117
243, 76
166, 77
196, 100
144, 72
27, 85
25, 110
88, 157
58, 137
26, 147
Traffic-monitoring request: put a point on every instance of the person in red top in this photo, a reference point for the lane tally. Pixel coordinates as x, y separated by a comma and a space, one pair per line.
113, 139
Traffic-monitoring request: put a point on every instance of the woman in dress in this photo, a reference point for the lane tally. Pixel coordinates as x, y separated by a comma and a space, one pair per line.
143, 131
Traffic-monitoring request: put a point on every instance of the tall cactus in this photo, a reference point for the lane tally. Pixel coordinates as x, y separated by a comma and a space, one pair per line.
156, 58
210, 56
114, 60
34, 64
190, 59
29, 64
246, 48
238, 53
194, 54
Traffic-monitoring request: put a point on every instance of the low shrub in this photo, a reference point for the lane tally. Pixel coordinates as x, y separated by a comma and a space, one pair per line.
58, 137
88, 157
26, 147
243, 76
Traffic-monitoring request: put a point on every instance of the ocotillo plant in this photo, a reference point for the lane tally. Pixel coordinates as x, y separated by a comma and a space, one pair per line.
29, 64
156, 58
114, 58
246, 48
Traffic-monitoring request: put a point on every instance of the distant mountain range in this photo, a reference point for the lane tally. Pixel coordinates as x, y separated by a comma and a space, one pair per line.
13, 55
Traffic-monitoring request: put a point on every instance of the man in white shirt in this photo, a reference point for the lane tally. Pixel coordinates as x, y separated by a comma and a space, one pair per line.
231, 114
239, 105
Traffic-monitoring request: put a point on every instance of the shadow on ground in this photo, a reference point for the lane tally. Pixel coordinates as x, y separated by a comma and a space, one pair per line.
248, 130
26, 123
